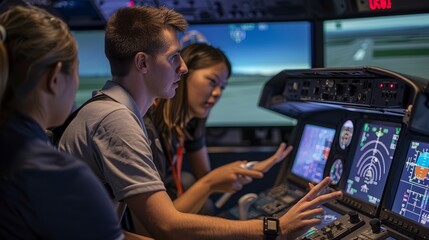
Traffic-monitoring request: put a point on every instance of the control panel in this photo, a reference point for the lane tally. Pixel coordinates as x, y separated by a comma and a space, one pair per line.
337, 229
370, 135
360, 88
371, 232
360, 91
272, 202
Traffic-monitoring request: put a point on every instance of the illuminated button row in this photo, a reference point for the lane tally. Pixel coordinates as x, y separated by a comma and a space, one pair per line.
387, 85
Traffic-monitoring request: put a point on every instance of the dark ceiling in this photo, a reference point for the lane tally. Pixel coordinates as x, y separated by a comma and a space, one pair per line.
81, 14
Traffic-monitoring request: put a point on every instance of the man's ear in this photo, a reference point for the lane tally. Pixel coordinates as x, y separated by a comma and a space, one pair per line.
140, 61
52, 78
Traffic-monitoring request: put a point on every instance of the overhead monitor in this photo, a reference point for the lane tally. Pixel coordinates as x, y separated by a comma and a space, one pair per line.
312, 153
257, 52
412, 194
372, 160
399, 43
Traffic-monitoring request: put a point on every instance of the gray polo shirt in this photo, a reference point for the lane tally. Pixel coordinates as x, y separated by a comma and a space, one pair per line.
111, 138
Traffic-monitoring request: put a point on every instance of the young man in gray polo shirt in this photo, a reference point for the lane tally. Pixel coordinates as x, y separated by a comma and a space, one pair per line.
144, 54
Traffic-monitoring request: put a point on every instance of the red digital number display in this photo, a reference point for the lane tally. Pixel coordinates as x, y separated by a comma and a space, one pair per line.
380, 4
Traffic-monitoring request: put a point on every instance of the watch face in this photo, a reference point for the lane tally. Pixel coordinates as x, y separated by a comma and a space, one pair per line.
336, 171
271, 226
346, 134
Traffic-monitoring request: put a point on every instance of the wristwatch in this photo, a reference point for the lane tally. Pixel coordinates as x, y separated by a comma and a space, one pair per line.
271, 228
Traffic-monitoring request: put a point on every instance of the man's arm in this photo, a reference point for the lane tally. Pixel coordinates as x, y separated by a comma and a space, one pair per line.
158, 215
161, 219
133, 236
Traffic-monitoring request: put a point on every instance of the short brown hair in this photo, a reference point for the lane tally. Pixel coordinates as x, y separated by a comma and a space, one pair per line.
137, 29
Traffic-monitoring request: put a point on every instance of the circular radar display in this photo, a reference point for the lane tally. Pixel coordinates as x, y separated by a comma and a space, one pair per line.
336, 171
346, 134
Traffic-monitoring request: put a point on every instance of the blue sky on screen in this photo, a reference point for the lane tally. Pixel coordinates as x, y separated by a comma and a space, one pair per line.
253, 48
261, 48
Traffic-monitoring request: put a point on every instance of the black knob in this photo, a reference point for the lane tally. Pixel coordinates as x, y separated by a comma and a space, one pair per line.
375, 225
354, 217
338, 224
329, 232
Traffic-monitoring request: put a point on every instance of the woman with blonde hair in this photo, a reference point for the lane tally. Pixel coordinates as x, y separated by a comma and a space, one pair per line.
44, 194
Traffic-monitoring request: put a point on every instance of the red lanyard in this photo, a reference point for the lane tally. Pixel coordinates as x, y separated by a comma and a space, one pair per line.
177, 169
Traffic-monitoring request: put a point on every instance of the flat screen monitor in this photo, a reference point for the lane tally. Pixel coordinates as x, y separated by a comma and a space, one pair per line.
399, 43
257, 52
412, 194
372, 160
313, 151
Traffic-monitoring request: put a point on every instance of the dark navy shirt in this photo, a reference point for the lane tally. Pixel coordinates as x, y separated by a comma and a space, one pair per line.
161, 149
46, 194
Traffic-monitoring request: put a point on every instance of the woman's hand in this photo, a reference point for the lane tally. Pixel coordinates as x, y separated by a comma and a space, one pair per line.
230, 177
281, 154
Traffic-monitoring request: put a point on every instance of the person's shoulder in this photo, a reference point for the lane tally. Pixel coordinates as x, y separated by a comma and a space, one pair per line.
101, 114
102, 107
45, 157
